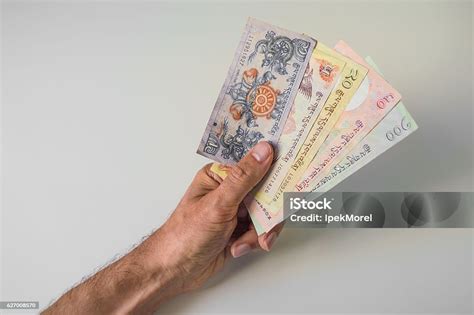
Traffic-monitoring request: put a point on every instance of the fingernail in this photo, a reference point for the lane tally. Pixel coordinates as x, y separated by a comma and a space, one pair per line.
241, 250
270, 240
261, 151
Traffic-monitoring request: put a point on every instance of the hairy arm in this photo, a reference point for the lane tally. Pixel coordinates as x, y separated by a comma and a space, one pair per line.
208, 226
137, 283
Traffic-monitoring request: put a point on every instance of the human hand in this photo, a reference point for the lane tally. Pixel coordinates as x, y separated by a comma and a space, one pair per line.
210, 223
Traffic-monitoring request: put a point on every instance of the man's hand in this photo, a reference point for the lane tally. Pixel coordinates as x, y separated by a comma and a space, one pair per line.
211, 222
209, 225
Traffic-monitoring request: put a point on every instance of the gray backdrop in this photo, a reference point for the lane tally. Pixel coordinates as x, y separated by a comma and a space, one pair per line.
104, 105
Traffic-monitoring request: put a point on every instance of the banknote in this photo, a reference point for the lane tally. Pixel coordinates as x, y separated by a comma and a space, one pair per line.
258, 93
373, 100
267, 213
393, 128
321, 75
352, 76
220, 169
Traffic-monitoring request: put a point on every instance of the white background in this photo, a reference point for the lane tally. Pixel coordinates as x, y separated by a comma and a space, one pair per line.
104, 105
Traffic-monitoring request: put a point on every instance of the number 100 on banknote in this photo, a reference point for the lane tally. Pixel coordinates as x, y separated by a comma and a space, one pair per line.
258, 92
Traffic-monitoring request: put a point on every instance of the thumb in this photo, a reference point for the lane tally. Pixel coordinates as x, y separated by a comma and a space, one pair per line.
243, 176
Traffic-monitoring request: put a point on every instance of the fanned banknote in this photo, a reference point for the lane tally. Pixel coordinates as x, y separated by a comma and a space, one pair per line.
259, 90
352, 76
267, 213
394, 127
321, 75
326, 112
373, 100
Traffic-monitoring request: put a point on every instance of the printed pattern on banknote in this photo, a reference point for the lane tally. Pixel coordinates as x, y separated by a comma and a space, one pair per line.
352, 76
322, 74
257, 95
373, 100
392, 129
267, 213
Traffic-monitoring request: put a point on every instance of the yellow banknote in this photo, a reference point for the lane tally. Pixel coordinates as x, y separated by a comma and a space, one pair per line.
321, 75
374, 99
352, 76
394, 127
266, 213
220, 169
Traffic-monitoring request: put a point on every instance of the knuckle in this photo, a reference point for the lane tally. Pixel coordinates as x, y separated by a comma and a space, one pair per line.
238, 175
204, 171
205, 177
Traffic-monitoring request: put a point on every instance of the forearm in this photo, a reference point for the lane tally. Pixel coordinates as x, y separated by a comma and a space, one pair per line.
188, 249
137, 283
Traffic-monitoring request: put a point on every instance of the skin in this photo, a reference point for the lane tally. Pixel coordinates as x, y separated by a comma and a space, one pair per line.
209, 226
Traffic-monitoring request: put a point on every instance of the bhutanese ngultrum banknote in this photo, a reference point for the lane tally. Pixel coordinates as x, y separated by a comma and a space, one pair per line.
258, 92
393, 128
373, 100
351, 77
262, 212
322, 73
